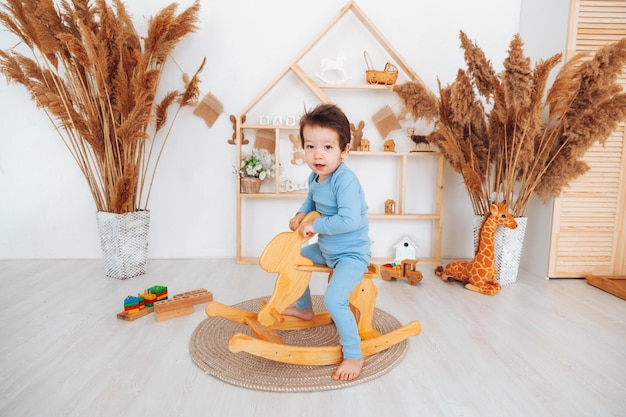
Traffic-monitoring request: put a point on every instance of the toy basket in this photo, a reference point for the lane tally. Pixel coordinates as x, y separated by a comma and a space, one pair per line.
387, 77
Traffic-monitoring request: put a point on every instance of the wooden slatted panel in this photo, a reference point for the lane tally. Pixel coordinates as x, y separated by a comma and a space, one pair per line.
588, 222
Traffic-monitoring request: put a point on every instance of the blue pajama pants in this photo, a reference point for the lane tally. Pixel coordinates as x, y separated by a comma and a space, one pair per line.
347, 273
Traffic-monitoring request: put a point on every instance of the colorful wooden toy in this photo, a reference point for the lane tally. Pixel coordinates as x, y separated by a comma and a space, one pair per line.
149, 299
155, 299
405, 270
160, 291
134, 307
132, 304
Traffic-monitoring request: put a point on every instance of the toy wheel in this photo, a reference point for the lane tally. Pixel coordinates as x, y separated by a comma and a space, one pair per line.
413, 281
386, 278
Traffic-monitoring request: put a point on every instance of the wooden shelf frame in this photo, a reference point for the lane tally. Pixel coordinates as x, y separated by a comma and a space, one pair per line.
319, 91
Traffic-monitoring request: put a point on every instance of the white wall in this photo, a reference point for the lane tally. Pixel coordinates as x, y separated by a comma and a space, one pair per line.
552, 17
46, 210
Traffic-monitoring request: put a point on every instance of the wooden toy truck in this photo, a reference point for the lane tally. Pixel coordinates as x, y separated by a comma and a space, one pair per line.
406, 270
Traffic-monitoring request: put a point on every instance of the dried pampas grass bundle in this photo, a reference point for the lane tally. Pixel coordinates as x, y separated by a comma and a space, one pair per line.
491, 129
97, 80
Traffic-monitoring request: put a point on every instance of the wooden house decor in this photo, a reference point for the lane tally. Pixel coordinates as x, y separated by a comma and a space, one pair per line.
390, 207
389, 145
286, 189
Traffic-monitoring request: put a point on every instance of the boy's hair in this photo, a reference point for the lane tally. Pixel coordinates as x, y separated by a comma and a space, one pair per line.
330, 116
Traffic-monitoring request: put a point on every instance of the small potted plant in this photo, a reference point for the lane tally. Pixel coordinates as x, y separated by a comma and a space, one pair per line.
255, 167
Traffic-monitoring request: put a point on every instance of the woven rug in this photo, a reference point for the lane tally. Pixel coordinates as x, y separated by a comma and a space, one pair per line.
209, 350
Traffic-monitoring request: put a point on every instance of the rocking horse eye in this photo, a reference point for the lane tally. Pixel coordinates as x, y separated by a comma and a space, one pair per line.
504, 216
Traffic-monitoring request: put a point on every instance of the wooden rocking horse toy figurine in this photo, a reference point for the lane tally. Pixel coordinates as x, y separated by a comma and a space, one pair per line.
282, 255
480, 272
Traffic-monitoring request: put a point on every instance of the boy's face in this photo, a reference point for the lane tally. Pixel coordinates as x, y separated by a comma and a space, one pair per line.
321, 150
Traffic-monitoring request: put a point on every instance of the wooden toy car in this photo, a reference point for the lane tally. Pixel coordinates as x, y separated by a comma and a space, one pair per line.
405, 270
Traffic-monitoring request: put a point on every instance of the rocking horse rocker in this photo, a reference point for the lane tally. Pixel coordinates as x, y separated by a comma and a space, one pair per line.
282, 255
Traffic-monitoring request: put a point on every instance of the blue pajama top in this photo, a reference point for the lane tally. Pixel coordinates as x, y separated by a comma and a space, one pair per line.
343, 228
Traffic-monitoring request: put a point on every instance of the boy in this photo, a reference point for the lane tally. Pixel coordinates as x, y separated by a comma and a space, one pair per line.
343, 241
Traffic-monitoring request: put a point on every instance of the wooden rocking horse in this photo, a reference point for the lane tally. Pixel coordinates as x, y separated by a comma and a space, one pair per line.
282, 255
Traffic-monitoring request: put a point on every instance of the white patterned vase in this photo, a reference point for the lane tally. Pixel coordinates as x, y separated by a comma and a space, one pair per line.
508, 248
124, 241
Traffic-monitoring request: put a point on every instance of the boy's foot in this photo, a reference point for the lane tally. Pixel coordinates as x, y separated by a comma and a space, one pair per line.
307, 314
348, 370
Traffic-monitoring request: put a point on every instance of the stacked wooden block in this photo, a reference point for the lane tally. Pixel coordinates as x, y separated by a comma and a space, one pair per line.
159, 291
132, 304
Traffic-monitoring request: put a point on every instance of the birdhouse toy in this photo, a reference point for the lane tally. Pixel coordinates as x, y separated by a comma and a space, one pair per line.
405, 249
389, 145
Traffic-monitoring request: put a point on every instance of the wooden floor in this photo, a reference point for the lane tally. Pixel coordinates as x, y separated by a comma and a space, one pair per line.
538, 348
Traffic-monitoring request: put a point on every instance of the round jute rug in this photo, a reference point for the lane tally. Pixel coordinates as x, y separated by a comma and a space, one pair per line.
209, 350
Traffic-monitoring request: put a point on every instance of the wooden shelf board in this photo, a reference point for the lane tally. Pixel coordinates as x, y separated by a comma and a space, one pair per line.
397, 154
270, 127
274, 195
406, 216
355, 86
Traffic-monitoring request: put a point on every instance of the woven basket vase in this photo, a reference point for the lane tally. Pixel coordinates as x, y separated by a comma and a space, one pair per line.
250, 185
124, 241
508, 248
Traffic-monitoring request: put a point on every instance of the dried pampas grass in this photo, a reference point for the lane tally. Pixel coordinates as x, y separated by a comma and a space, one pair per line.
491, 128
97, 80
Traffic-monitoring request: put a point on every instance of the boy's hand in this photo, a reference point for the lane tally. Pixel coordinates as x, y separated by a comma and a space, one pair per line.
306, 229
294, 223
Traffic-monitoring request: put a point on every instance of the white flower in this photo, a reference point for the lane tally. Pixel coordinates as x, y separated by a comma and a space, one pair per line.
258, 164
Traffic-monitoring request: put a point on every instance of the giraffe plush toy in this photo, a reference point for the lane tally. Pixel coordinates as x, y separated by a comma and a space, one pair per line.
480, 272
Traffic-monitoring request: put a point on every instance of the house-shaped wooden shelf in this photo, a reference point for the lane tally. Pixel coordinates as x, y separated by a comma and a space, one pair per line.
320, 92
